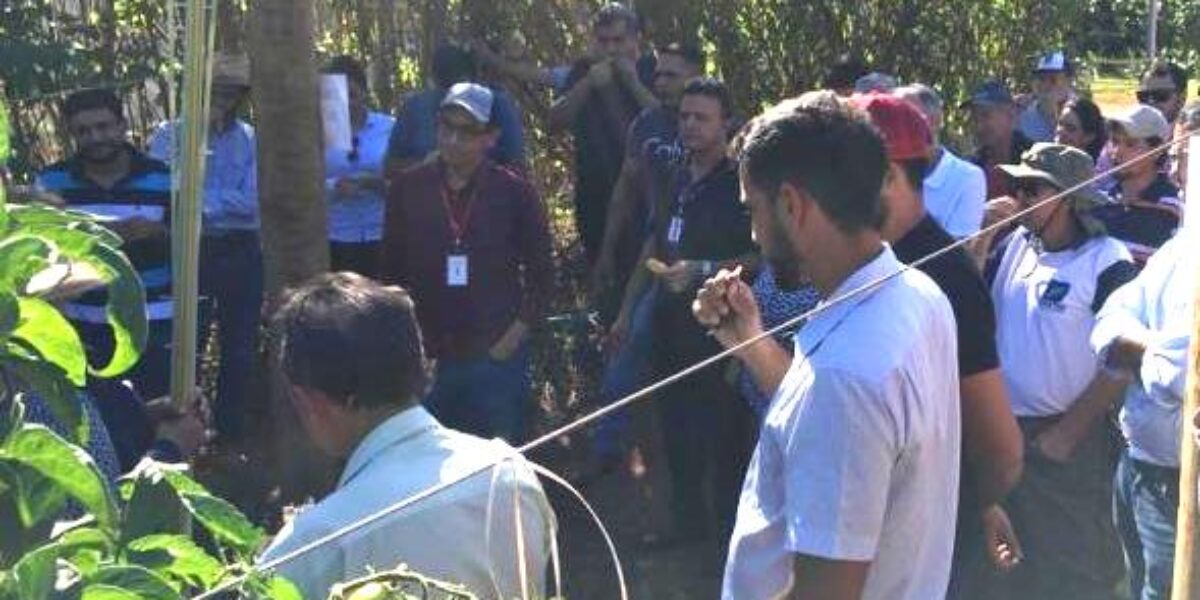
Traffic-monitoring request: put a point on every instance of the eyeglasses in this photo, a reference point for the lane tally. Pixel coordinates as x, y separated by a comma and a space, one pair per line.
1154, 96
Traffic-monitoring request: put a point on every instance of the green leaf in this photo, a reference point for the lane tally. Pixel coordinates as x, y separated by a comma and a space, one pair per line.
67, 465
126, 296
85, 548
224, 522
280, 588
10, 313
103, 591
35, 572
35, 497
175, 557
152, 506
21, 257
143, 582
52, 337
52, 387
34, 217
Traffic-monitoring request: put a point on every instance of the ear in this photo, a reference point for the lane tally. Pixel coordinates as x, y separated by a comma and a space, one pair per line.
311, 404
793, 204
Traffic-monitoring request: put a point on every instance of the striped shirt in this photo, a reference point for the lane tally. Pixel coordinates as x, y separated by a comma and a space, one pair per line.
145, 192
1144, 223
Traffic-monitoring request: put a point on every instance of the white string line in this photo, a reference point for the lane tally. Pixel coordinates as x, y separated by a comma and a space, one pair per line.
646, 391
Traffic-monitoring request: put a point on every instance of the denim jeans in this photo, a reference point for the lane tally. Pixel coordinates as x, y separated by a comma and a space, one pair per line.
1145, 505
231, 277
630, 369
482, 396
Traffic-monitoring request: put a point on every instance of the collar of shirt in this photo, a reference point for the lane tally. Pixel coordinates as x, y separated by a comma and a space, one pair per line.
812, 335
941, 170
400, 428
139, 164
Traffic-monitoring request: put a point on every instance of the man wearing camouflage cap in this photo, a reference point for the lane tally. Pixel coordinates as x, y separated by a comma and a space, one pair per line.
1048, 279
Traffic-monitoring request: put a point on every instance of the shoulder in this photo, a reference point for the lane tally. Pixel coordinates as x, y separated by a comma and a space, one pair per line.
1103, 251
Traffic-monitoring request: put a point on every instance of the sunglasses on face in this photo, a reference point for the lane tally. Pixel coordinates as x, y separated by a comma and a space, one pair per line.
1154, 96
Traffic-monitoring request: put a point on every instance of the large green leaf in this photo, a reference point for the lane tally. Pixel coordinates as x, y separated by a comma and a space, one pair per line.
85, 548
224, 522
126, 297
151, 504
51, 385
176, 558
34, 217
21, 257
52, 336
35, 572
143, 582
104, 591
35, 497
69, 466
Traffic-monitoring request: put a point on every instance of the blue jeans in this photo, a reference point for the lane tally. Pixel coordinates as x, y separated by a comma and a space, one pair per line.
630, 369
482, 396
1145, 506
231, 277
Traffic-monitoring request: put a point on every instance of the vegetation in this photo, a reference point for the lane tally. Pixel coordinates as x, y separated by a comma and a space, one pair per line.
135, 539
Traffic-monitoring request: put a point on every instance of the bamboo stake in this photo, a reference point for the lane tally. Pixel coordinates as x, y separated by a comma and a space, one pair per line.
1186, 585
185, 213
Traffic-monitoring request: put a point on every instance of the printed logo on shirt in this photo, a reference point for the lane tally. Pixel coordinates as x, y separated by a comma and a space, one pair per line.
1053, 294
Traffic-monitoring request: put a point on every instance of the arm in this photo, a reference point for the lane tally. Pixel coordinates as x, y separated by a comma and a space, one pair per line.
726, 306
391, 248
1059, 441
511, 146
620, 210
627, 74
823, 579
992, 445
565, 109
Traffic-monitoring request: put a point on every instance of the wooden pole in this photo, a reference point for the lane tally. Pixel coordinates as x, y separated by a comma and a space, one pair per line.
185, 212
1186, 584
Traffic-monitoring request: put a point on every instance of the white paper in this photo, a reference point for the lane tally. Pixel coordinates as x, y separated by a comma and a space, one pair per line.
335, 112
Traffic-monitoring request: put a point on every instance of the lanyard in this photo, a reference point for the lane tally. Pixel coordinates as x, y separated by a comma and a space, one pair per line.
458, 226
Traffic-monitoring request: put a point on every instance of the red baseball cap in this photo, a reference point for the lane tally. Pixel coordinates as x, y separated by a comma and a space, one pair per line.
905, 131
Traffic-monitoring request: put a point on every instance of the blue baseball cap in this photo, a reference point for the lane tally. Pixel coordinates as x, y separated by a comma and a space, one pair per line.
992, 92
476, 99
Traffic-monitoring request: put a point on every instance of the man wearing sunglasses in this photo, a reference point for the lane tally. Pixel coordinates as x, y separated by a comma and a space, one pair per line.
469, 238
1164, 86
1049, 278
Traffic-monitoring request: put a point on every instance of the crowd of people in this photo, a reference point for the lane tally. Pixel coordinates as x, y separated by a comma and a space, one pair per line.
1003, 420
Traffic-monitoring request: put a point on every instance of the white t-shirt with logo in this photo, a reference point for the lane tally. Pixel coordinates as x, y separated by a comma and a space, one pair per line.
858, 458
1045, 310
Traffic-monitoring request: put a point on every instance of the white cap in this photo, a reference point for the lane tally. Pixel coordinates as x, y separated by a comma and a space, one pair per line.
476, 99
1143, 122
1054, 62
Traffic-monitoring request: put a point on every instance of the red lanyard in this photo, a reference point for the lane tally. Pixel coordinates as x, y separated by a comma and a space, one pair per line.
458, 227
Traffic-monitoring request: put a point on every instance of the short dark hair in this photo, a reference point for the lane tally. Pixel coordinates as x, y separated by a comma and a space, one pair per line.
691, 54
452, 64
1162, 68
712, 88
349, 66
1091, 120
845, 71
352, 339
613, 13
834, 155
93, 99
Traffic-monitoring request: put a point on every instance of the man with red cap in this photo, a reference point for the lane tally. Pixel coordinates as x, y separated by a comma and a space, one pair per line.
992, 450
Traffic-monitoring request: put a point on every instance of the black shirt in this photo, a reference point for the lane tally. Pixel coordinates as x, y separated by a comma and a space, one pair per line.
960, 281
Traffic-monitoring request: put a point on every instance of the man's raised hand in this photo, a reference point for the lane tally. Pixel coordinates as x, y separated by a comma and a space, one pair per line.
726, 306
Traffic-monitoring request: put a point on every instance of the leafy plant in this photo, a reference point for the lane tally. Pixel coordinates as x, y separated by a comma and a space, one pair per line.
135, 539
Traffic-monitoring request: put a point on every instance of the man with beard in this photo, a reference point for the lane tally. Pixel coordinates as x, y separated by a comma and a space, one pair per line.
853, 487
131, 194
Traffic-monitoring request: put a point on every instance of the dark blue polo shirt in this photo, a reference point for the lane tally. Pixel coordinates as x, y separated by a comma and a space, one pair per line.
1144, 223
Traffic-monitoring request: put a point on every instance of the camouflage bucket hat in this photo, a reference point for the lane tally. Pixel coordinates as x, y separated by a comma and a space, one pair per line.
1063, 167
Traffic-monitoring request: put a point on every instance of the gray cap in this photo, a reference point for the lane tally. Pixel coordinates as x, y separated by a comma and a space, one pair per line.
476, 99
1141, 122
1063, 167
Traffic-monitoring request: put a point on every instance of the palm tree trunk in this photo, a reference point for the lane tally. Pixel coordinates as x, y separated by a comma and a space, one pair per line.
290, 161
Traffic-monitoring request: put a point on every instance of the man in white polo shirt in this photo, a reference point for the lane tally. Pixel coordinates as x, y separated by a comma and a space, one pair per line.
955, 190
1143, 333
1049, 278
853, 487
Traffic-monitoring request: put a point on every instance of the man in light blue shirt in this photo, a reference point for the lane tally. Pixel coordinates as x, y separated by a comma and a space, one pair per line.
231, 270
1143, 333
354, 182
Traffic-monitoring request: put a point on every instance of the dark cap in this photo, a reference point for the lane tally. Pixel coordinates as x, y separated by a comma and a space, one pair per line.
992, 92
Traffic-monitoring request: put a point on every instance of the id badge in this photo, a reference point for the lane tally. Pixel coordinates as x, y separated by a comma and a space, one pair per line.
675, 230
456, 270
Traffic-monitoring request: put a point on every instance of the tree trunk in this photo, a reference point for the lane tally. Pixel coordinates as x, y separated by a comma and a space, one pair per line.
290, 161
